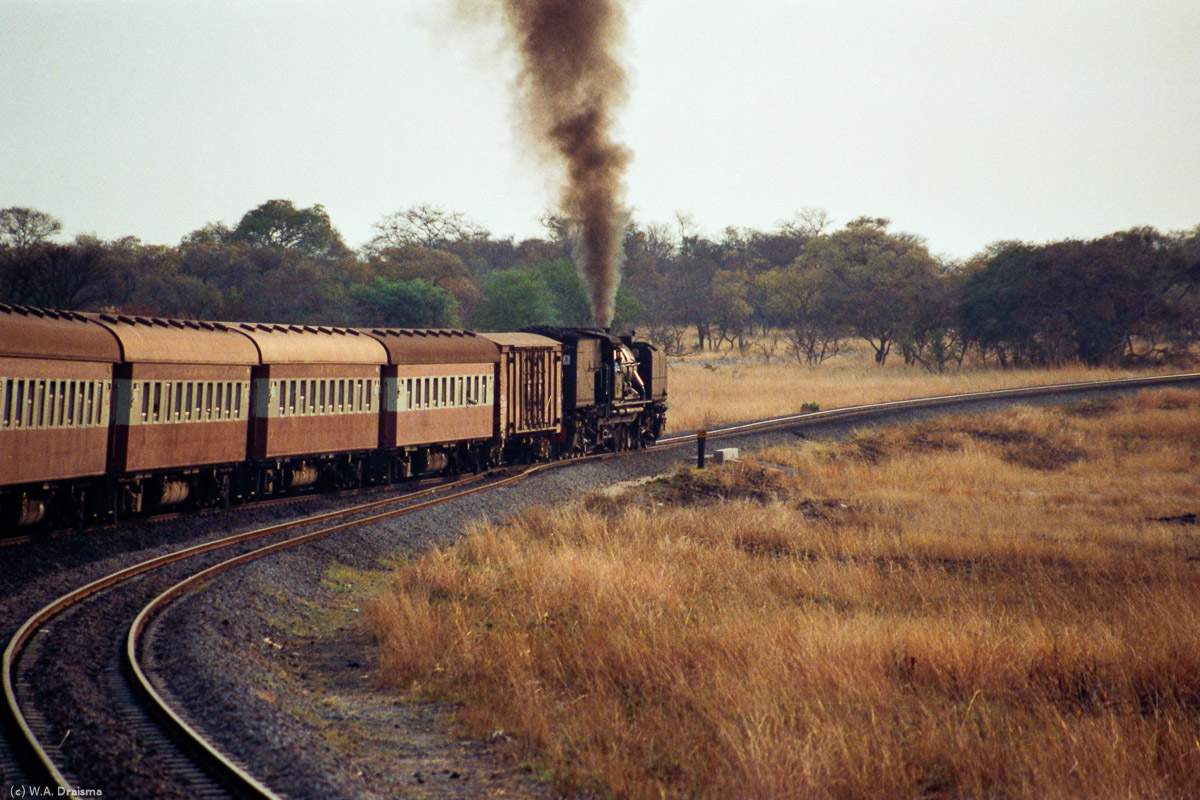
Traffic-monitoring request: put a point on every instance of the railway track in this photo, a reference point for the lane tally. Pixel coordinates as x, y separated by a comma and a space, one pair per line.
169, 756
866, 412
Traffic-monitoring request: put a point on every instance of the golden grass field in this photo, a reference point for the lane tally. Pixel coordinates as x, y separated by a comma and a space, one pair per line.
979, 607
706, 389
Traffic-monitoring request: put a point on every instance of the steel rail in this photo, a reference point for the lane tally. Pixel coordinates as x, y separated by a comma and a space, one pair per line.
230, 770
28, 741
849, 412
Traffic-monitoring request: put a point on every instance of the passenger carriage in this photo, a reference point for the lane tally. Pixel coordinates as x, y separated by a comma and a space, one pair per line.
315, 415
439, 387
56, 370
181, 411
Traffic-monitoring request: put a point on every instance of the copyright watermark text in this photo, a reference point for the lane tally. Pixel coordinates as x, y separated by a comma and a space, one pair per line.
24, 792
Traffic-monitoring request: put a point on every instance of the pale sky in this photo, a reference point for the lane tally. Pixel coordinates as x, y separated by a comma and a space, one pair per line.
965, 123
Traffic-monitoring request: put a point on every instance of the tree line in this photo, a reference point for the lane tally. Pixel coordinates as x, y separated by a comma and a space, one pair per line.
803, 289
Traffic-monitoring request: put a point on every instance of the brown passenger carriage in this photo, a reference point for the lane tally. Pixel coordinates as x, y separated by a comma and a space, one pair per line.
438, 392
316, 405
56, 372
181, 398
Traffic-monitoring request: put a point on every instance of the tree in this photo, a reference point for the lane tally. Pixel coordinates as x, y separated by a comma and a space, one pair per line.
424, 226
404, 304
441, 269
24, 227
516, 299
796, 303
62, 276
211, 233
877, 281
279, 224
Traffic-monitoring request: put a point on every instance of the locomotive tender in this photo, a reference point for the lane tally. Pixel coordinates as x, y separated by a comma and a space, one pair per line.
106, 415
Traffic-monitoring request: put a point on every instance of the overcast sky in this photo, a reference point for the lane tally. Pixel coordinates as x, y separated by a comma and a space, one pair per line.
966, 123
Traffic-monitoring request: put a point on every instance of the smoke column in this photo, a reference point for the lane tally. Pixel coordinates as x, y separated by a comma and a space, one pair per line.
570, 86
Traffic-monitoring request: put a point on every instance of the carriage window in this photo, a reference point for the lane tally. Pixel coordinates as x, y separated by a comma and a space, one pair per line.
321, 405
27, 412
229, 386
237, 401
177, 396
156, 406
19, 405
8, 402
51, 402
39, 404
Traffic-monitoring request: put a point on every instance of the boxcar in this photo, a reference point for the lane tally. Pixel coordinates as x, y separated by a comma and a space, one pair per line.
528, 408
316, 405
55, 392
438, 393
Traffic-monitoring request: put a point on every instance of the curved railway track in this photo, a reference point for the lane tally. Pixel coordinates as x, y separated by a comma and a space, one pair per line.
169, 756
192, 767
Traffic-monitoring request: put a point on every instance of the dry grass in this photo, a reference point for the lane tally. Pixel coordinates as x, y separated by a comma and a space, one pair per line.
999, 607
706, 390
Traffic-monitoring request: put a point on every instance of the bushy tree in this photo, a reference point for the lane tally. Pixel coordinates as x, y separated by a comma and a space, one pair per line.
24, 227
876, 282
279, 224
413, 303
439, 268
515, 299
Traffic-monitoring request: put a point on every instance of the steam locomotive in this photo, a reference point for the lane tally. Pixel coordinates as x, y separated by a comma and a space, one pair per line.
103, 416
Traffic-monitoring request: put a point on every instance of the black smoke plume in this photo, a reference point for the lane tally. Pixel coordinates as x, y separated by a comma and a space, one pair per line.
570, 85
